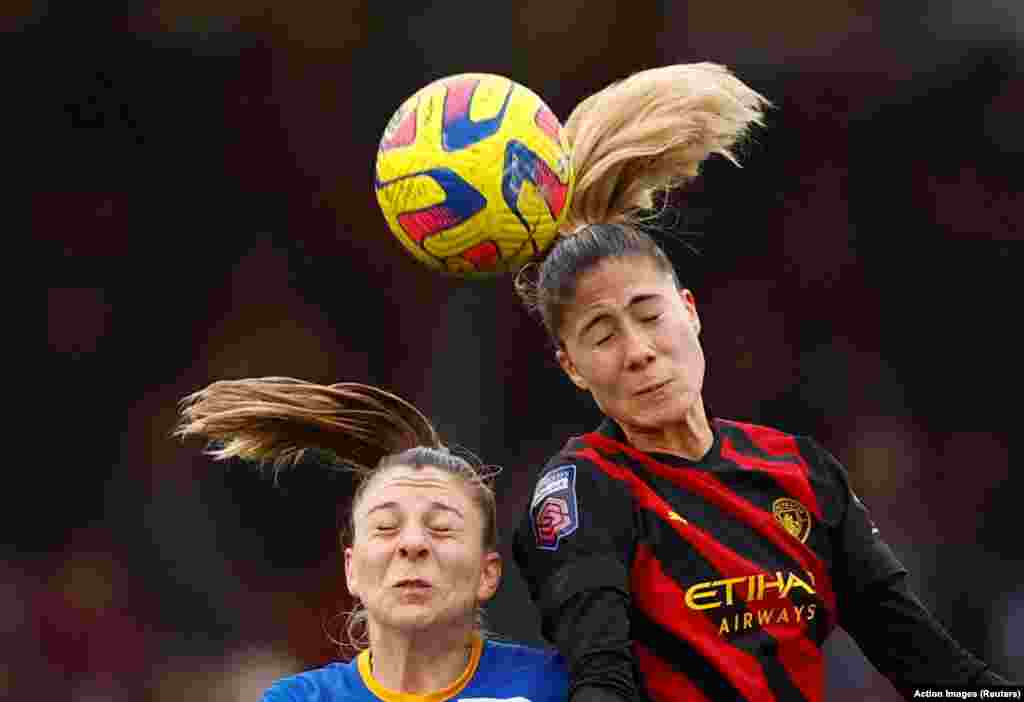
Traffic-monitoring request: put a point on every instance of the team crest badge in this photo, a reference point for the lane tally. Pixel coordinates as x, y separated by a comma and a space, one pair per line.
553, 507
793, 517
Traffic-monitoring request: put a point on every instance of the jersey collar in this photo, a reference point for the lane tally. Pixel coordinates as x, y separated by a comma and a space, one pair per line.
387, 695
611, 430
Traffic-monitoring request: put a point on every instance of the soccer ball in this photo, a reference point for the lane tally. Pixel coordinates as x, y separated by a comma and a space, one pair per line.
473, 175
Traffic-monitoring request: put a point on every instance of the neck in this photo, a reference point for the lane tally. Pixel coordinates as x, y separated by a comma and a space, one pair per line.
691, 437
421, 662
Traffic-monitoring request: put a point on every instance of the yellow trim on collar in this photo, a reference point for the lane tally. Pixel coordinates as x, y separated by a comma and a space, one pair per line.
363, 665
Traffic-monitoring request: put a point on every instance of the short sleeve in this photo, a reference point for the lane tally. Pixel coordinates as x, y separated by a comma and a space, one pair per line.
576, 534
862, 557
317, 685
279, 692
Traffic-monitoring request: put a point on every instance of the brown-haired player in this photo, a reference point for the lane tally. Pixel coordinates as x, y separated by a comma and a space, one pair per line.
421, 556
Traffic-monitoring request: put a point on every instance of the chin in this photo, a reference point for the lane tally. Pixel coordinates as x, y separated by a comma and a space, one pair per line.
412, 621
662, 415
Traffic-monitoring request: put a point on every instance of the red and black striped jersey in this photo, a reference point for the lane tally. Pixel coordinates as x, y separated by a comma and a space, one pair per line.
733, 569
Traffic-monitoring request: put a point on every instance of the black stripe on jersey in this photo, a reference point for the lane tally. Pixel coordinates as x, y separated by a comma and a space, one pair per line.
753, 485
680, 656
760, 490
730, 534
721, 526
778, 679
829, 501
757, 487
683, 563
678, 557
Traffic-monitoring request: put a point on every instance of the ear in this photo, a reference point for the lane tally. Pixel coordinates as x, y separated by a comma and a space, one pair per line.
570, 369
490, 577
350, 572
690, 303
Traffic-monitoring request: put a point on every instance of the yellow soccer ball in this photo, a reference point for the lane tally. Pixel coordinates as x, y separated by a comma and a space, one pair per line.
473, 175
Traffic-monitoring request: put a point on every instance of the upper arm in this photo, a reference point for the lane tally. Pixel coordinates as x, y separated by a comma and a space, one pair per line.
577, 532
861, 556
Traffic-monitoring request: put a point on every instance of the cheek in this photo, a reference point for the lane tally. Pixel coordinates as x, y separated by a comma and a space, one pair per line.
463, 568
681, 343
693, 360
367, 565
600, 369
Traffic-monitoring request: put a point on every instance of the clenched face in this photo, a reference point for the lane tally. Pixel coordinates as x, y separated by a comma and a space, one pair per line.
629, 337
417, 559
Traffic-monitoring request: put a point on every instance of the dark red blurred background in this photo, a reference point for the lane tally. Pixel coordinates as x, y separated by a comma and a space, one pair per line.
199, 178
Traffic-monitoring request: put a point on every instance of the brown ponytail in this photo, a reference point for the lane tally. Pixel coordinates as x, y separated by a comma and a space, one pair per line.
278, 419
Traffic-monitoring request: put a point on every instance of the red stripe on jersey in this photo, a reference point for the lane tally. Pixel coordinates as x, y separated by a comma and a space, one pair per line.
729, 502
804, 663
799, 656
662, 681
653, 592
792, 478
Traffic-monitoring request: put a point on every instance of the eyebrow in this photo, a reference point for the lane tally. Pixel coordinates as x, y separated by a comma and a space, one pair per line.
604, 315
433, 506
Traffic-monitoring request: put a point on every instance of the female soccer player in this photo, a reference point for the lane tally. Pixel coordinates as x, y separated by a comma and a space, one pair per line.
671, 554
423, 552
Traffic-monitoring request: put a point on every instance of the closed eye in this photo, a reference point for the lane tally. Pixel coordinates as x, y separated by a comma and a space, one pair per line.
653, 318
603, 339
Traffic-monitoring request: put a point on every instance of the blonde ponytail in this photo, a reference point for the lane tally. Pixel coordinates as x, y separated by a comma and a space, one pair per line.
651, 131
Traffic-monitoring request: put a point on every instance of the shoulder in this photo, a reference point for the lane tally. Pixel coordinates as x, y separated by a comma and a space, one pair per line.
757, 438
579, 462
521, 656
331, 682
771, 443
537, 669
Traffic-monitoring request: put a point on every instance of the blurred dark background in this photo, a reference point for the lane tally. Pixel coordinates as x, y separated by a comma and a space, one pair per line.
198, 177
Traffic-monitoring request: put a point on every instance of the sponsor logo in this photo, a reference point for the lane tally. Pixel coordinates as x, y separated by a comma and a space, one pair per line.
738, 622
752, 589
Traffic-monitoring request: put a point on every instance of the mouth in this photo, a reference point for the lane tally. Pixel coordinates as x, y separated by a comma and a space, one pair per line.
652, 388
412, 584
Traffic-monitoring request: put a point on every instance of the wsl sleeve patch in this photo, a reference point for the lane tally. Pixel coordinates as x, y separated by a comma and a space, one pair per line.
553, 507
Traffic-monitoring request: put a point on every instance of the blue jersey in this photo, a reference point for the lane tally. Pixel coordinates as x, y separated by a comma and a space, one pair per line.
497, 672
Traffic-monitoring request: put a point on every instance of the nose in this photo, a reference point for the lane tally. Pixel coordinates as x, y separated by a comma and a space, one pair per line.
638, 350
413, 543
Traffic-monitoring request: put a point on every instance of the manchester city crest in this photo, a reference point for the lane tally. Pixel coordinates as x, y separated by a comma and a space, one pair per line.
793, 517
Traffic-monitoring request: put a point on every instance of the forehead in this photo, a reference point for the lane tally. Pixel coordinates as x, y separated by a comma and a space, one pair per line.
409, 485
614, 282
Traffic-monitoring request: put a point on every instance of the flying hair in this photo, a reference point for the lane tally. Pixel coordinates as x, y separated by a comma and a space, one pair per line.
651, 132
277, 420
645, 134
